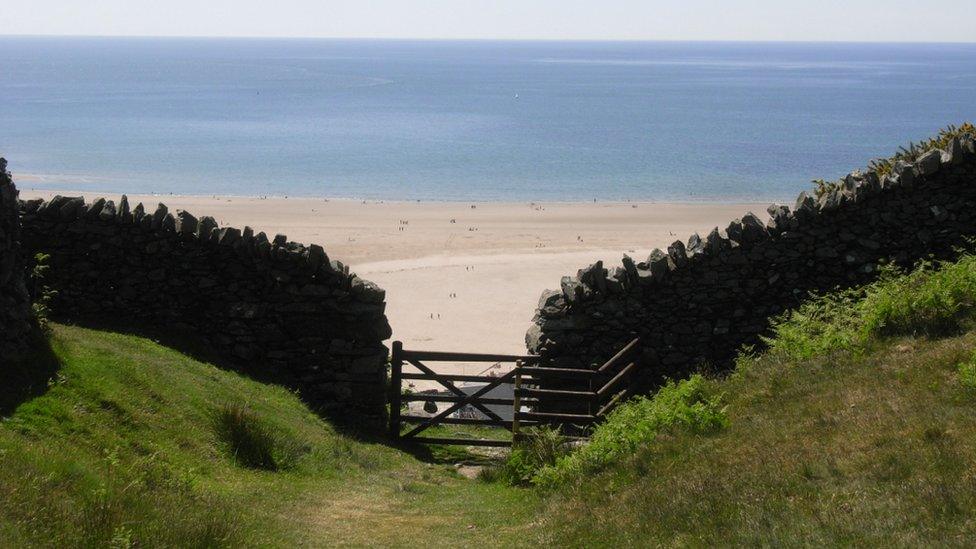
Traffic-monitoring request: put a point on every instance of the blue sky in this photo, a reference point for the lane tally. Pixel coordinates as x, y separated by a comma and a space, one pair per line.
817, 20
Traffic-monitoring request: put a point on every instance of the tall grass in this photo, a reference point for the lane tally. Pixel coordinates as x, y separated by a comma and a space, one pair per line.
868, 446
252, 443
934, 299
536, 448
687, 405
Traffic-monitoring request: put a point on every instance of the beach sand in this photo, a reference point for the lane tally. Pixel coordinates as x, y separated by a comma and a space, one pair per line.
497, 258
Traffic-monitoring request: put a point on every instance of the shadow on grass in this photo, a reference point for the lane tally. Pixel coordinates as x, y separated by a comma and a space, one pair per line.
198, 349
349, 425
28, 377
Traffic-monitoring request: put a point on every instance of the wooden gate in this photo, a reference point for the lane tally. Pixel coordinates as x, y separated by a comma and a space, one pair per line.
541, 394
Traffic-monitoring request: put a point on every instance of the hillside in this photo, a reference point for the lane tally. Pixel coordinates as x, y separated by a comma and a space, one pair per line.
856, 426
125, 448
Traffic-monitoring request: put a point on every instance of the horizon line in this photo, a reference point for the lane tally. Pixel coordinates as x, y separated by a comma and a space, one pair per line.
478, 39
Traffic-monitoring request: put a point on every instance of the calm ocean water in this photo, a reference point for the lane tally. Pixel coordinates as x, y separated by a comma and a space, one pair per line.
478, 120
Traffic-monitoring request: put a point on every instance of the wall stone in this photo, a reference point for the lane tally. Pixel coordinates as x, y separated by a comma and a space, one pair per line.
277, 309
697, 304
15, 308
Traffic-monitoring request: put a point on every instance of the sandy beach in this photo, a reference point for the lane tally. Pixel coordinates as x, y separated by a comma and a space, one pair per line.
496, 258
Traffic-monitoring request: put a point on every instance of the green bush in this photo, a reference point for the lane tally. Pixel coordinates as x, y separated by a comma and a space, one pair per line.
967, 373
686, 405
252, 443
536, 448
822, 324
933, 299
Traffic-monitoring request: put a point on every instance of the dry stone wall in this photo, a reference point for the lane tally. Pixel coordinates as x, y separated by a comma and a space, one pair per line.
277, 309
15, 308
697, 304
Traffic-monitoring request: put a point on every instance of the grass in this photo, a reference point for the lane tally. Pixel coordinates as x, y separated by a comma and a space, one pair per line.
133, 444
691, 405
855, 427
932, 300
840, 449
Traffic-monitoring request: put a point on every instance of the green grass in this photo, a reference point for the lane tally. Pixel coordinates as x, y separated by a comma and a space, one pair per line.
139, 444
932, 300
691, 405
856, 427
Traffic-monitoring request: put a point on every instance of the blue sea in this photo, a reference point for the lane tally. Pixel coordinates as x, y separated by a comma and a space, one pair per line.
467, 120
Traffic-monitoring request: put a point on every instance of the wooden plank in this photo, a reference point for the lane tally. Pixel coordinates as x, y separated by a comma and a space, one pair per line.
442, 356
449, 377
450, 410
460, 421
617, 398
462, 441
622, 353
557, 372
556, 393
451, 387
421, 397
396, 390
566, 418
616, 379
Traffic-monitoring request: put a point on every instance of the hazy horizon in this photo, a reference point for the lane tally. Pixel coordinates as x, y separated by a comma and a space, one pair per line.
897, 21
447, 39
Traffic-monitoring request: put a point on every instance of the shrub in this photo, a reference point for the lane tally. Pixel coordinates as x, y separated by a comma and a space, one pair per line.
252, 443
967, 373
823, 323
686, 405
933, 299
536, 448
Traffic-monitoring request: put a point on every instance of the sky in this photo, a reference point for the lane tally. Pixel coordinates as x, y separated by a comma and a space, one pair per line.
811, 20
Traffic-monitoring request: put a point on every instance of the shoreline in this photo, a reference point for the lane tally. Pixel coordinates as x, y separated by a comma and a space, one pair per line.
24, 180
461, 276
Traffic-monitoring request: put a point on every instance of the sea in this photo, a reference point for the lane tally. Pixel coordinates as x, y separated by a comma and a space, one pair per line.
467, 120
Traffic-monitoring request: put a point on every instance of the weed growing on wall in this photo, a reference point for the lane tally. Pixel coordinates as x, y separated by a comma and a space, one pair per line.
41, 294
911, 153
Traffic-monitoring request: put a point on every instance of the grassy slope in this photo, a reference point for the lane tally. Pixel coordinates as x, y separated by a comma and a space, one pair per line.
123, 446
875, 444
875, 447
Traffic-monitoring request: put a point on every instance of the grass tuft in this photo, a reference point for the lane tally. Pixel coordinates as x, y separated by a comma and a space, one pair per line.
967, 373
535, 449
252, 443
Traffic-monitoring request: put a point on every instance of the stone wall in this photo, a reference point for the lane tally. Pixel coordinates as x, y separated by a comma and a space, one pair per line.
698, 303
15, 308
276, 309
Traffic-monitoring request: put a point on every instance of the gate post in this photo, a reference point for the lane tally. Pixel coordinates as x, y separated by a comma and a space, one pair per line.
516, 401
396, 371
